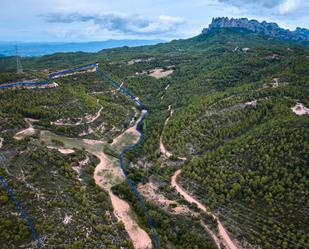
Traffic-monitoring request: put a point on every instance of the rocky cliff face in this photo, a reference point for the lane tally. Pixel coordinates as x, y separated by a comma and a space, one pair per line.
270, 29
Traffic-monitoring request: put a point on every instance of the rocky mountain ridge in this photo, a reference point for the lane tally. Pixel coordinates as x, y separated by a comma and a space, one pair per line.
265, 28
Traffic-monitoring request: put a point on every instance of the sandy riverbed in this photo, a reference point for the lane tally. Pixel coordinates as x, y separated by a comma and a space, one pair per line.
106, 174
140, 238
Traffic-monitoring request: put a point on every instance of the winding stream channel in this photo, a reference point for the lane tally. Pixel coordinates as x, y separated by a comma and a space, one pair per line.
122, 210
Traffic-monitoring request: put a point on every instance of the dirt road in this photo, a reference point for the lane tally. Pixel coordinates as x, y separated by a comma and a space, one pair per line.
224, 236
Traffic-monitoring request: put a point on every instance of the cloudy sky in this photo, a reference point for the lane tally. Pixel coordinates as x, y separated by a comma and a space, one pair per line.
90, 20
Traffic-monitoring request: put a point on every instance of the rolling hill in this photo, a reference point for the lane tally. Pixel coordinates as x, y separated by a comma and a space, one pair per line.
227, 111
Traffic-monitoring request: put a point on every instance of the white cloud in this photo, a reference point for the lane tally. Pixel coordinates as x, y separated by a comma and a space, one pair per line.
163, 24
289, 6
144, 19
116, 22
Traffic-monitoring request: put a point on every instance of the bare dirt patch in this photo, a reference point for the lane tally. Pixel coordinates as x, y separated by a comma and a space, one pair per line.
161, 72
67, 219
139, 237
299, 109
28, 131
62, 150
251, 103
66, 150
151, 193
1, 142
92, 142
158, 72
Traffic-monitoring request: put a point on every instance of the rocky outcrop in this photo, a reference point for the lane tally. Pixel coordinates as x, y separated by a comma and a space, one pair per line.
265, 28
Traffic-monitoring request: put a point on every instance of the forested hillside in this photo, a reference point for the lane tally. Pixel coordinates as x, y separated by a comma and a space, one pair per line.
224, 106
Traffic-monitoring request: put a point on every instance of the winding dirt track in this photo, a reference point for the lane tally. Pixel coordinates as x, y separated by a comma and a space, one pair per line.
163, 150
222, 231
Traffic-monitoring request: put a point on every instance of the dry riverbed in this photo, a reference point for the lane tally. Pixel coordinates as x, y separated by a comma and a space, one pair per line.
107, 174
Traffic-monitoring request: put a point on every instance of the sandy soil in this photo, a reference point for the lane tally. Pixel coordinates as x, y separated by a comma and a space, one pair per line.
160, 72
62, 150
150, 192
65, 150
67, 219
212, 235
188, 197
299, 109
163, 150
92, 142
251, 103
28, 131
222, 231
139, 237
132, 130
1, 142
106, 165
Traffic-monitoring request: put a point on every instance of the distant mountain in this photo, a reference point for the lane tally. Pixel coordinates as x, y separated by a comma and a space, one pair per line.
44, 48
265, 28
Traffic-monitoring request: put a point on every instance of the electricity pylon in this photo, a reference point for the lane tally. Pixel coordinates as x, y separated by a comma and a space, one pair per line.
18, 62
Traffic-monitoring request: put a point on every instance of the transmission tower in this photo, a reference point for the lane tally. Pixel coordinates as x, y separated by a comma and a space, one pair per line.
18, 62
